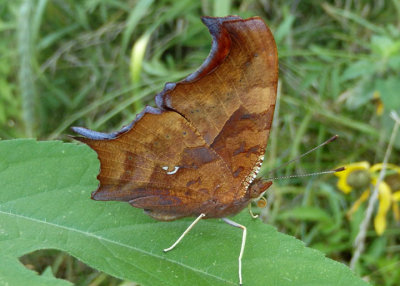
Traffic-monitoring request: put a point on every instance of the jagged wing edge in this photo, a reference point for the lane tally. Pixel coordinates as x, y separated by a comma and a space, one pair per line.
220, 48
94, 135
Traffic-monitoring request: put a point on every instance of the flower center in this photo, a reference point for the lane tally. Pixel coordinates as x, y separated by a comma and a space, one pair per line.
359, 179
393, 181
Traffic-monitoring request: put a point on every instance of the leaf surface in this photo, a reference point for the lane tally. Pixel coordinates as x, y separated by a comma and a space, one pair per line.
45, 204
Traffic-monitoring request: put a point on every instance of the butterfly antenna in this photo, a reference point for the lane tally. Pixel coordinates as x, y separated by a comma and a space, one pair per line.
309, 174
333, 138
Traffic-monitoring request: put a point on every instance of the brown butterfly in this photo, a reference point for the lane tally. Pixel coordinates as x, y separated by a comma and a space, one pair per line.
198, 153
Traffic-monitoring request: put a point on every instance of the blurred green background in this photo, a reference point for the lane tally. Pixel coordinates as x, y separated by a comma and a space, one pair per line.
97, 63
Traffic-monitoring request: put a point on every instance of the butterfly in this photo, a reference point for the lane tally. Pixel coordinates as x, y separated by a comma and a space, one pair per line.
197, 154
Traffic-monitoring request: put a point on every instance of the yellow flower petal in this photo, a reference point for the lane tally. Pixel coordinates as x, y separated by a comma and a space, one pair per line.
396, 196
364, 165
376, 99
380, 223
392, 179
343, 186
357, 203
378, 167
379, 108
385, 200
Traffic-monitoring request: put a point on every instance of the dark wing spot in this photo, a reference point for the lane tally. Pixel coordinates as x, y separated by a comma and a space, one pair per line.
168, 200
194, 157
237, 172
191, 182
240, 149
252, 150
245, 116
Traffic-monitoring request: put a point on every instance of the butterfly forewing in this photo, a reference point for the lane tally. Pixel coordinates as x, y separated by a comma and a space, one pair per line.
232, 107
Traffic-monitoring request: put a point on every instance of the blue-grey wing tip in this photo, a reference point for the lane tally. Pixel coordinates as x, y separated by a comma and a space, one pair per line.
209, 21
93, 134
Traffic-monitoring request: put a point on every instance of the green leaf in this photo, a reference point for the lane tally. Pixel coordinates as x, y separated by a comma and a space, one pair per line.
360, 68
12, 272
285, 27
384, 46
44, 203
222, 8
139, 11
389, 90
307, 213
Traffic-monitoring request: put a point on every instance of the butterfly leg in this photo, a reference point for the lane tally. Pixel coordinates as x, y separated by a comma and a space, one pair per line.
232, 223
251, 212
185, 232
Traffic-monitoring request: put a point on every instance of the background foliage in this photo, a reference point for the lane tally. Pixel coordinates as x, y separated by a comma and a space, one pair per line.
96, 63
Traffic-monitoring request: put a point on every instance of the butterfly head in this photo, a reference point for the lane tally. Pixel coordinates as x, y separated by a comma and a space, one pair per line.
257, 187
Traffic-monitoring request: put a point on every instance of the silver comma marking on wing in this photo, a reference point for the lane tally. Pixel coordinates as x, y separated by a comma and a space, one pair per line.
166, 168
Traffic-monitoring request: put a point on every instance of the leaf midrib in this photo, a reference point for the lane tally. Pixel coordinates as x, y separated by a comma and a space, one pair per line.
107, 240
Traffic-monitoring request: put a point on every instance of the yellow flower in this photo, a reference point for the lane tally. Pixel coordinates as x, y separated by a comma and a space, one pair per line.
360, 176
354, 176
376, 99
